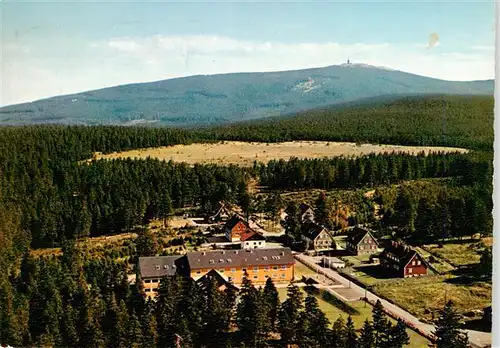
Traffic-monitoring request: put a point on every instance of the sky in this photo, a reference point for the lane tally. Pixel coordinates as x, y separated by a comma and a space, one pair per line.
63, 47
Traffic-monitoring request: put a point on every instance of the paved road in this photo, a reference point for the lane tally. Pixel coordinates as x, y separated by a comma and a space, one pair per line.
479, 338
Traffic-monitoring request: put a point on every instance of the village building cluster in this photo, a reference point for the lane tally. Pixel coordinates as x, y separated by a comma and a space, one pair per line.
240, 251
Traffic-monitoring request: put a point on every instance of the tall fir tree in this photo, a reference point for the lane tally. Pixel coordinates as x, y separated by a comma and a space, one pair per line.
381, 326
366, 337
398, 336
448, 331
351, 337
290, 319
271, 298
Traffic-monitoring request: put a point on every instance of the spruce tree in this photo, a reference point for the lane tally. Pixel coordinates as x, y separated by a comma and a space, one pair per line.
271, 297
366, 337
351, 338
290, 319
448, 329
381, 326
251, 315
135, 335
398, 336
338, 338
315, 323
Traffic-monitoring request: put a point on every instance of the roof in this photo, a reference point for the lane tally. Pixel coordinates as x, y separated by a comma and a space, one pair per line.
304, 207
158, 266
312, 230
239, 258
251, 235
357, 235
403, 252
215, 276
233, 221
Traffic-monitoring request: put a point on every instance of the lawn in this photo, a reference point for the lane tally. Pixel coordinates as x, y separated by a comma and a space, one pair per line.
460, 254
302, 270
365, 310
424, 295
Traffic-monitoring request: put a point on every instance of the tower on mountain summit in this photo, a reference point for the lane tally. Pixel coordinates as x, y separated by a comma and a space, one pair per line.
348, 61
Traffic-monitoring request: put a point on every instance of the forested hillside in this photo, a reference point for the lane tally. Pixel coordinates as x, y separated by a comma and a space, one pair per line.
460, 121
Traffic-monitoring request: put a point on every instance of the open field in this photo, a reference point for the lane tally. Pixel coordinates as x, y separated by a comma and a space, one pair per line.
417, 295
365, 310
245, 153
459, 253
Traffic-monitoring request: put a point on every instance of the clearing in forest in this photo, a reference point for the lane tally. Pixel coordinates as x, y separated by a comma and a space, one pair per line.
245, 153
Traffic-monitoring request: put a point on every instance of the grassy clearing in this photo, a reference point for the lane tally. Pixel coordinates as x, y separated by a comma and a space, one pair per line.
365, 312
428, 293
439, 264
245, 153
460, 254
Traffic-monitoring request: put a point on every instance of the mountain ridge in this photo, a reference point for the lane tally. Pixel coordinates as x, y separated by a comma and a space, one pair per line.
223, 98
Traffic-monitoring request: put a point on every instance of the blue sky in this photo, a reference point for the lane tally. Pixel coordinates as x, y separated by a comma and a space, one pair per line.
65, 47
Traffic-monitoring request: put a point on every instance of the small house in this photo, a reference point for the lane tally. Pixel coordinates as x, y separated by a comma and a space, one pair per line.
306, 212
234, 228
317, 237
403, 261
361, 242
252, 240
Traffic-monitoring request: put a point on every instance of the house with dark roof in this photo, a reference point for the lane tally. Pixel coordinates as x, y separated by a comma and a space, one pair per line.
317, 237
361, 241
234, 228
403, 261
306, 212
260, 264
153, 269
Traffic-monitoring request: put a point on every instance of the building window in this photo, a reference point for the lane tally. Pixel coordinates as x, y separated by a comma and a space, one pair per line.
266, 276
158, 267
419, 263
410, 270
221, 270
275, 267
283, 266
155, 280
266, 268
155, 289
244, 269
233, 270
147, 290
147, 281
282, 275
275, 275
198, 272
255, 277
256, 269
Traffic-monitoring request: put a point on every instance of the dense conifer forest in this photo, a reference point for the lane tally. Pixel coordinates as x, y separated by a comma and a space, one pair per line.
51, 196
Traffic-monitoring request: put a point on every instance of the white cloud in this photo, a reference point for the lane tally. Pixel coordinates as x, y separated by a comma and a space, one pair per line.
30, 73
